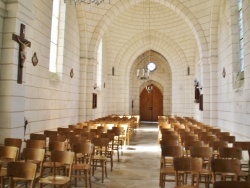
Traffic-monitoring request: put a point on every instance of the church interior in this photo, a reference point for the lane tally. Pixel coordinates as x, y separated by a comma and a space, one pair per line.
70, 62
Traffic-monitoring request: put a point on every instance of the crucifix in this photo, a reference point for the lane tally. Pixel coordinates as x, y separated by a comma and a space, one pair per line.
23, 43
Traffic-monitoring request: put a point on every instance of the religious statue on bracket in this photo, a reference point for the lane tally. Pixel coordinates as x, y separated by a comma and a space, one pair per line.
198, 94
196, 91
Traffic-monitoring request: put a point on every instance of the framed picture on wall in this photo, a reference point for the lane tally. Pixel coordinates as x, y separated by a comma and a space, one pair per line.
94, 101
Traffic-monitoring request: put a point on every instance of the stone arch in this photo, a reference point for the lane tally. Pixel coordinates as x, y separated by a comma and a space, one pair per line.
158, 42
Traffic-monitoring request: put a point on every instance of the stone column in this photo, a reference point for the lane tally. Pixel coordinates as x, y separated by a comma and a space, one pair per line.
90, 82
12, 94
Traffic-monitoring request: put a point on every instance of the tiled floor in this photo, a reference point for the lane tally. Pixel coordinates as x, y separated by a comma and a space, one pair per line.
139, 165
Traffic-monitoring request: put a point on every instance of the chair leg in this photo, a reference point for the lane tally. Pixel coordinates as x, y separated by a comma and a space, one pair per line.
102, 171
118, 155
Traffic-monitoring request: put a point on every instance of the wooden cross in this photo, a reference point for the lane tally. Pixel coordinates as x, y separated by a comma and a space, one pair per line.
23, 43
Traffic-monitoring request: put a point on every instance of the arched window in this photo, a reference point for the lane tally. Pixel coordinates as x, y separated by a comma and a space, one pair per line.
241, 42
99, 66
54, 36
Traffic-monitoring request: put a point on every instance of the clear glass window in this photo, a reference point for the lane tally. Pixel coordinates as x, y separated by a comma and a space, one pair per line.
241, 35
54, 36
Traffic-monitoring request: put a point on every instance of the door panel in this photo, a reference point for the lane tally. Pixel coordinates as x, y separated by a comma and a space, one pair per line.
151, 104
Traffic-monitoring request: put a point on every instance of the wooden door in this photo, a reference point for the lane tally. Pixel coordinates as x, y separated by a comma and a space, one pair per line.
151, 104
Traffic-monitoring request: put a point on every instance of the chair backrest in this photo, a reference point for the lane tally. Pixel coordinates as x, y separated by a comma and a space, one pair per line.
214, 130
170, 137
33, 154
208, 138
171, 151
232, 153
63, 131
217, 144
58, 146
34, 136
221, 134
22, 170
187, 164
49, 133
241, 144
226, 165
35, 144
101, 142
201, 152
79, 131
16, 142
229, 139
168, 131
8, 153
108, 135
188, 138
232, 184
189, 143
169, 143
59, 138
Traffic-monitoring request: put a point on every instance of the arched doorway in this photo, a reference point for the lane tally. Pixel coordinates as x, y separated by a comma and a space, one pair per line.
151, 104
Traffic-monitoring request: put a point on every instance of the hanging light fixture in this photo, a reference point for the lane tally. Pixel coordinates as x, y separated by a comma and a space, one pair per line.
142, 72
97, 2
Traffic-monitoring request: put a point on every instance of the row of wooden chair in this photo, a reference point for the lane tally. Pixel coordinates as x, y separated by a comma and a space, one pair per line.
210, 167
197, 140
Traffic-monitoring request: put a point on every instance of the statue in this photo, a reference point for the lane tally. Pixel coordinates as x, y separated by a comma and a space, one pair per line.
22, 50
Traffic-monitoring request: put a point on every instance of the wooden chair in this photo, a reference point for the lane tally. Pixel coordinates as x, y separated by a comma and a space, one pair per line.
19, 171
36, 156
216, 145
7, 154
182, 167
116, 144
232, 184
16, 142
61, 157
118, 139
48, 134
233, 153
166, 165
82, 162
206, 153
244, 145
75, 139
187, 144
100, 156
222, 166
53, 146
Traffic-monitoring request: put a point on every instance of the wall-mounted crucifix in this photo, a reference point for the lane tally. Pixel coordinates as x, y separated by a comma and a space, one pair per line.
23, 43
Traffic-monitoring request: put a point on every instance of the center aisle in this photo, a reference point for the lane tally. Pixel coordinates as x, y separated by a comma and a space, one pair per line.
139, 165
